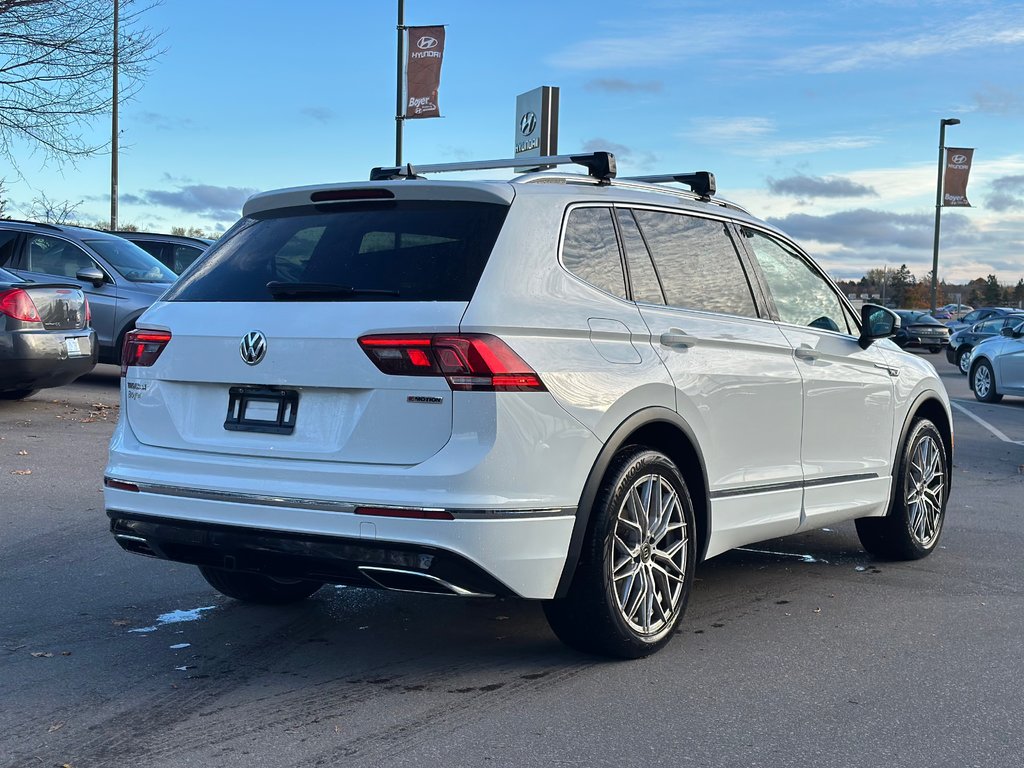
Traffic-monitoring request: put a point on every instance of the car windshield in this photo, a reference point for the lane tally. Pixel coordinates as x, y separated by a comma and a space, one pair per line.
918, 317
132, 262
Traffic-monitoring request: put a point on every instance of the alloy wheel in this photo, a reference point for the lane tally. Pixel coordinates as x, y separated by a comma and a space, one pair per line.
648, 557
982, 381
925, 490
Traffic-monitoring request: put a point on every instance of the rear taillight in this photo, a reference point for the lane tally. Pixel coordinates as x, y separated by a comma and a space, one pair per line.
469, 361
142, 348
16, 303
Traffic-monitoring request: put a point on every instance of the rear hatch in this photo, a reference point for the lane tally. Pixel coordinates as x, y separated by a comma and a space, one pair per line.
263, 357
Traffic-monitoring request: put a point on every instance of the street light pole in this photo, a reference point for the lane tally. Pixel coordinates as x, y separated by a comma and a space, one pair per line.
938, 205
399, 111
113, 133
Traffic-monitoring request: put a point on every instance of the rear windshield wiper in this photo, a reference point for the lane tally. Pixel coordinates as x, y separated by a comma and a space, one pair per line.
323, 290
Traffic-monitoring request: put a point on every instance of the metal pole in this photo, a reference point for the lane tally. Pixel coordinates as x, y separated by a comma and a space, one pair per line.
938, 207
113, 132
398, 90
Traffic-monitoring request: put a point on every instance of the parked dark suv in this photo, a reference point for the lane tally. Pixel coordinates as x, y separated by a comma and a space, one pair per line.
176, 252
120, 279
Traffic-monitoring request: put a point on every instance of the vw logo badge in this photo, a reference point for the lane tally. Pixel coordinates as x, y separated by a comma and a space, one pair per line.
425, 43
253, 347
527, 123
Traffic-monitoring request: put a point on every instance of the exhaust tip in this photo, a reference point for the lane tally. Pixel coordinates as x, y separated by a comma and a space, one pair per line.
398, 580
135, 544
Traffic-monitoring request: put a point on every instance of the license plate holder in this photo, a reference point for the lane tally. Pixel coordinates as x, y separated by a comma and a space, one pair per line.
262, 409
73, 346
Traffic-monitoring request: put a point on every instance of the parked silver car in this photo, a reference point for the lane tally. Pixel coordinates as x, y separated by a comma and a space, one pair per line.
120, 279
997, 365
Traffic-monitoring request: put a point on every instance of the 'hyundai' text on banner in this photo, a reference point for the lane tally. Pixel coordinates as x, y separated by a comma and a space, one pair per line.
958, 168
424, 52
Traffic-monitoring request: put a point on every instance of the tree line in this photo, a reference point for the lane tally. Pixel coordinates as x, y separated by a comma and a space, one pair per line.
900, 288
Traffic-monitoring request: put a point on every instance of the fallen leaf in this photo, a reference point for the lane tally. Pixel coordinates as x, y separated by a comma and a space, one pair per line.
56, 726
120, 622
23, 453
65, 653
42, 654
21, 472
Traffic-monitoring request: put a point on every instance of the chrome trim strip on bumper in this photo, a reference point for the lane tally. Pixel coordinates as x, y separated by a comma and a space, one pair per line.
324, 505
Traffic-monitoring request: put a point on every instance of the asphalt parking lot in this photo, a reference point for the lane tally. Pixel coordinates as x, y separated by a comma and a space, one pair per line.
801, 651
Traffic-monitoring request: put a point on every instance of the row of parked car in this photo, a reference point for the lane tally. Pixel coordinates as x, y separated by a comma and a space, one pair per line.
68, 296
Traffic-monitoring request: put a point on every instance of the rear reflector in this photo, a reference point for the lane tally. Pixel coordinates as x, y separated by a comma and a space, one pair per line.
469, 361
414, 514
120, 485
18, 304
142, 348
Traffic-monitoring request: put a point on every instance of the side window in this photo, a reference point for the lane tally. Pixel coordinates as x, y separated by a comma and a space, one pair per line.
184, 255
53, 256
642, 277
802, 296
7, 242
697, 262
591, 251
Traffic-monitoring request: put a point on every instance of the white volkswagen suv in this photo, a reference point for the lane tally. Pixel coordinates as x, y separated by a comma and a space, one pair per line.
563, 387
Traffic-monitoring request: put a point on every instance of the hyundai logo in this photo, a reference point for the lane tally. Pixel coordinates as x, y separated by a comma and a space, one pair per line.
958, 159
426, 43
253, 347
527, 123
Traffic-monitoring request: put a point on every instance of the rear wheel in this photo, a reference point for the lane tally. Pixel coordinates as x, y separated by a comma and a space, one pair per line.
17, 394
636, 569
935, 350
911, 529
963, 360
984, 383
258, 588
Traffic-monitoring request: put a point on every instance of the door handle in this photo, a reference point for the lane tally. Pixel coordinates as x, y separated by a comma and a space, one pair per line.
806, 352
677, 339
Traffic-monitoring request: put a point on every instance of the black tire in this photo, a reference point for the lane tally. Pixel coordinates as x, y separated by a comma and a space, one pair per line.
983, 382
935, 350
17, 394
963, 356
634, 614
257, 588
912, 528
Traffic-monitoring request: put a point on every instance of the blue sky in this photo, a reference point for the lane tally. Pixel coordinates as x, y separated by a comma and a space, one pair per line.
822, 117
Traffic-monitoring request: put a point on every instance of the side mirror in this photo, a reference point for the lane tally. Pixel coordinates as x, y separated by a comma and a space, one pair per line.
91, 275
876, 323
1011, 332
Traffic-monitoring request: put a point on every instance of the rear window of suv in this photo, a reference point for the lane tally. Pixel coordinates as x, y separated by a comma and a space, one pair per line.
395, 250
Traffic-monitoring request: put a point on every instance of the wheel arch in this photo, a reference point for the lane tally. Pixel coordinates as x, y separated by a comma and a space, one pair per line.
927, 406
659, 429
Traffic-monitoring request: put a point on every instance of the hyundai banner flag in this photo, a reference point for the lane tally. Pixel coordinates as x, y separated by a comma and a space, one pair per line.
958, 168
424, 52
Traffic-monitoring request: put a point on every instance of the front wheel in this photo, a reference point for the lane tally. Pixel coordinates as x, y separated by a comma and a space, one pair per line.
935, 350
636, 569
258, 588
911, 529
984, 383
963, 360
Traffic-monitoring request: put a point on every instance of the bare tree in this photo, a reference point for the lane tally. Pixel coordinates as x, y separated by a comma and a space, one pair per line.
53, 211
56, 62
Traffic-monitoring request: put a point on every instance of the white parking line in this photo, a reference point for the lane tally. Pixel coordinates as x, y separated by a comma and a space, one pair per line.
995, 431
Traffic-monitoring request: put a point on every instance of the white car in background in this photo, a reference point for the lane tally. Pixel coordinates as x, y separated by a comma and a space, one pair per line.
562, 387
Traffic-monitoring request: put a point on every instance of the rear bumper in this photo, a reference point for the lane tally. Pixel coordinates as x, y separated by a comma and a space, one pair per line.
38, 359
329, 559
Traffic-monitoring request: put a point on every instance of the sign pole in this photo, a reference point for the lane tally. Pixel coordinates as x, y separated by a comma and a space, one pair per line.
398, 91
938, 206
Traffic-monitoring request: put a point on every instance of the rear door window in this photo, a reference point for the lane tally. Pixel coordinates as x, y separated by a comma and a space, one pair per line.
591, 250
404, 250
697, 262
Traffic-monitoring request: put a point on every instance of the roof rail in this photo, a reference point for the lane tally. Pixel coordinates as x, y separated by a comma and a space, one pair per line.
600, 165
43, 224
701, 183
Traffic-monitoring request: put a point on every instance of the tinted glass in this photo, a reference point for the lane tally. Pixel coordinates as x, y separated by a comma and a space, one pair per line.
8, 240
642, 276
9, 277
802, 296
591, 251
411, 250
131, 262
989, 326
697, 263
